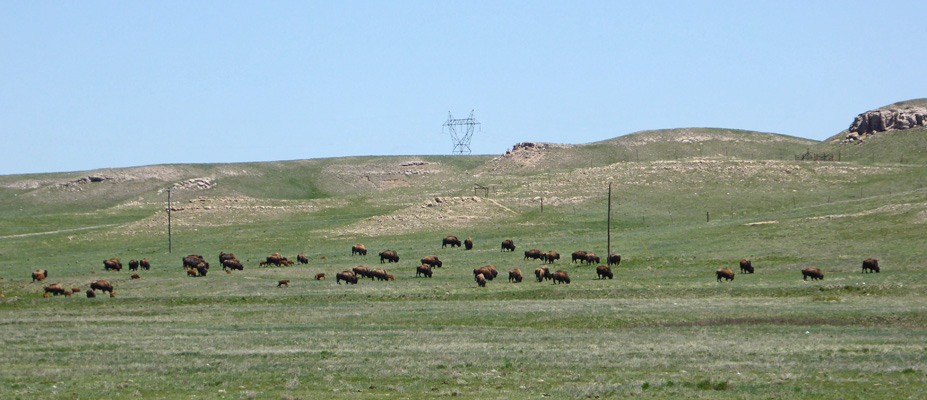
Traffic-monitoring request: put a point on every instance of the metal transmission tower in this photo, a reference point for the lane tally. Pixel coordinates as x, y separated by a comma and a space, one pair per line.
461, 131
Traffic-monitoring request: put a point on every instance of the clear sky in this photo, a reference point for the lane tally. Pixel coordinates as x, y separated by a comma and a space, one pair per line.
87, 84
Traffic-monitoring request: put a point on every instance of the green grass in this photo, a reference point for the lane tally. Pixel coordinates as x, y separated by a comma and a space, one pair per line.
663, 328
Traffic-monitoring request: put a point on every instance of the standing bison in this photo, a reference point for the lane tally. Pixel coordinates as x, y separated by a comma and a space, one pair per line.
450, 240
725, 273
543, 273
488, 271
746, 267
39, 275
432, 261
423, 269
112, 264
468, 244
358, 249
614, 259
480, 280
133, 265
233, 264
193, 260
346, 276
102, 284
534, 254
362, 271
389, 255
508, 244
302, 259
871, 264
814, 273
55, 289
144, 264
515, 276
591, 258
579, 255
603, 271
551, 256
380, 274
561, 277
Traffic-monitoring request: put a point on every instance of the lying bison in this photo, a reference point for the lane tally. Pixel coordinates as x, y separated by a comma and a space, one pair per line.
543, 273
603, 271
746, 267
725, 273
871, 264
508, 244
423, 269
144, 264
480, 280
450, 240
515, 276
358, 249
102, 284
389, 256
346, 276
551, 256
561, 277
112, 264
432, 261
614, 259
814, 273
534, 254
39, 275
488, 271
468, 244
579, 255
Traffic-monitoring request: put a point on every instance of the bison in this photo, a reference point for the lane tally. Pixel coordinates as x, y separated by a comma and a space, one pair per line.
55, 289
283, 282
814, 273
561, 277
468, 244
39, 275
135, 276
144, 264
550, 256
423, 269
515, 276
225, 256
389, 256
112, 264
133, 265
319, 276
233, 264
871, 264
347, 276
302, 259
432, 261
358, 249
591, 258
102, 284
277, 259
450, 240
746, 267
488, 271
614, 259
480, 280
91, 294
603, 271
579, 255
191, 272
390, 277
542, 273
66, 293
725, 273
533, 254
192, 260
508, 244
361, 271
380, 274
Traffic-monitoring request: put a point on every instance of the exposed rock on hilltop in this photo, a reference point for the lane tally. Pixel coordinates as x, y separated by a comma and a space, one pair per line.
898, 116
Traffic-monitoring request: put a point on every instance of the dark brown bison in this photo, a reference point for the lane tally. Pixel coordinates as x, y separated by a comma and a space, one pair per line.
380, 274
133, 265
614, 259
202, 269
814, 273
319, 276
508, 244
102, 284
144, 264
488, 271
432, 261
347, 276
358, 249
871, 264
534, 254
362, 271
480, 280
91, 294
277, 259
468, 244
55, 289
603, 271
725, 273
39, 275
302, 259
283, 282
515, 276
225, 256
561, 277
423, 269
192, 260
579, 255
746, 267
551, 256
450, 240
135, 276
233, 264
591, 258
112, 264
543, 273
389, 255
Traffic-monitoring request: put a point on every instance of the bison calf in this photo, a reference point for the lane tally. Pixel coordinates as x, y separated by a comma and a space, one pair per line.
508, 244
39, 275
284, 282
319, 276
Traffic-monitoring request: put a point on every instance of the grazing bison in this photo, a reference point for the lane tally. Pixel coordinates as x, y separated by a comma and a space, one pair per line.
468, 244
133, 265
302, 259
55, 289
144, 264
389, 255
358, 249
423, 269
871, 264
135, 276
283, 282
102, 284
112, 264
319, 276
508, 244
362, 271
746, 267
225, 256
515, 276
543, 273
277, 259
533, 254
202, 269
614, 259
450, 240
579, 255
192, 260
390, 277
432, 261
347, 276
380, 274
233, 264
488, 271
603, 271
550, 256
561, 277
480, 280
39, 275
591, 258
91, 294
814, 273
725, 273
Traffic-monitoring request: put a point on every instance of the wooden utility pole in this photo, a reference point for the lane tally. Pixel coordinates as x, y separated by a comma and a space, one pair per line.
169, 249
608, 251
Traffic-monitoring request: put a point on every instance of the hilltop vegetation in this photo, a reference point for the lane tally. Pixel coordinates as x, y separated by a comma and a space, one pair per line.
685, 202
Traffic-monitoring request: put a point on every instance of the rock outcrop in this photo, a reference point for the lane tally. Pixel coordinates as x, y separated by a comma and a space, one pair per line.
886, 119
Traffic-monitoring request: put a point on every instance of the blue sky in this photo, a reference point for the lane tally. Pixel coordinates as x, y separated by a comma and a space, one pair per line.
87, 85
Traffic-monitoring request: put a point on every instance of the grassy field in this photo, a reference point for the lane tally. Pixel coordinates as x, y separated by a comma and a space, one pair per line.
685, 203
